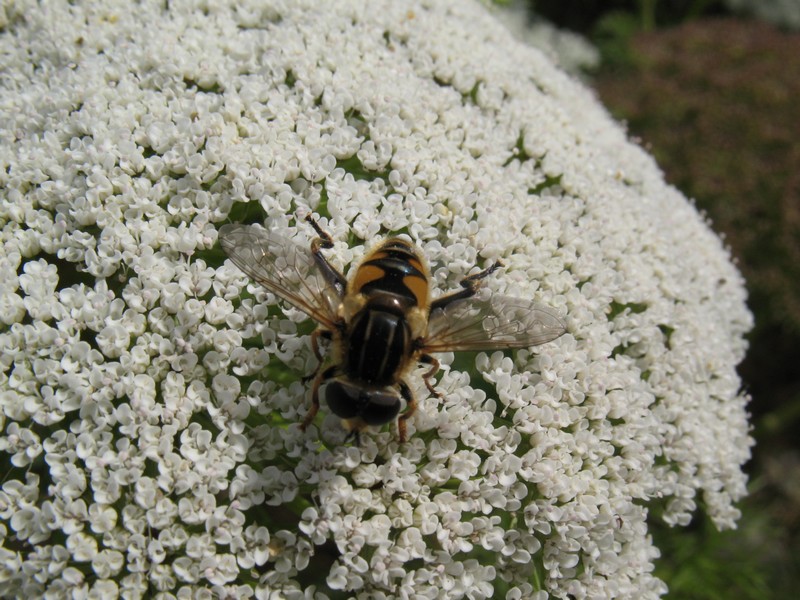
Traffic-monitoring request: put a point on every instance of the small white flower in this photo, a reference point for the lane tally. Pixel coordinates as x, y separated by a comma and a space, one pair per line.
22, 443
219, 569
162, 578
186, 569
107, 563
135, 584
83, 547
103, 588
74, 578
12, 307
464, 464
113, 340
226, 388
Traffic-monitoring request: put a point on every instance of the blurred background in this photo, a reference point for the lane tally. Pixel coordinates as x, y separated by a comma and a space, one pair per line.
711, 88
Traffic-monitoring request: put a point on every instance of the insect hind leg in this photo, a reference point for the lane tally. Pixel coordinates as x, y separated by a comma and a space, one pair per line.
471, 285
319, 379
430, 373
318, 333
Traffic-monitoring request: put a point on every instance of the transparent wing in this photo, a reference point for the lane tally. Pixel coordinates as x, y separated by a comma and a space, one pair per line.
493, 323
282, 267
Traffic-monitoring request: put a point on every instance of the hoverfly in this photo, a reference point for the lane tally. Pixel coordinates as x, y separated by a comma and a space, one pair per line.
381, 320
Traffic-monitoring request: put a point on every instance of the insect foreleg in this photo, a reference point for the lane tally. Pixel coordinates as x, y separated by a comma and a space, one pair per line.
320, 378
471, 284
354, 435
329, 272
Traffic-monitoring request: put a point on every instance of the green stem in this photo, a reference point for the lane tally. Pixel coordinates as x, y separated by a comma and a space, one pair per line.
647, 11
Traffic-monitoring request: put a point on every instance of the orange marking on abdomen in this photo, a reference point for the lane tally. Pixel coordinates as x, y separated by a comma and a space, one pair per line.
366, 274
416, 263
418, 287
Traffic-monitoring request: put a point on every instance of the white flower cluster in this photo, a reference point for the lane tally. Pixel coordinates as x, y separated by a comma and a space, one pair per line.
150, 393
571, 51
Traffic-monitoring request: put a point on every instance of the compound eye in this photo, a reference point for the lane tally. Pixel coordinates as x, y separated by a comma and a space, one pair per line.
342, 399
380, 408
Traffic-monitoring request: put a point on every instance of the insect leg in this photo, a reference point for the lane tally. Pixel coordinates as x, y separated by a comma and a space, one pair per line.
411, 408
329, 272
318, 333
319, 379
355, 435
429, 360
471, 284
